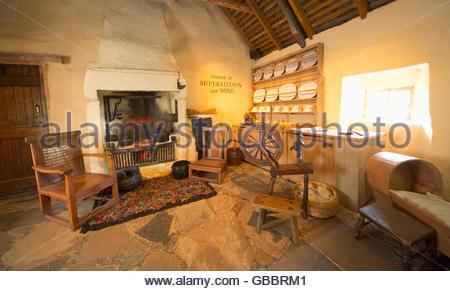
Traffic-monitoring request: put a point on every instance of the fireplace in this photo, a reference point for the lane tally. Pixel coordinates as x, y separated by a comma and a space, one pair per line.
139, 126
154, 105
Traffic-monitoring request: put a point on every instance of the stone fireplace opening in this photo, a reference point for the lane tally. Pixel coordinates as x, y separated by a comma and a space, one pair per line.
139, 126
138, 112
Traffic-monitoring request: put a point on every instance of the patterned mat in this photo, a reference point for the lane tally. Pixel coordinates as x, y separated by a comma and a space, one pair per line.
152, 196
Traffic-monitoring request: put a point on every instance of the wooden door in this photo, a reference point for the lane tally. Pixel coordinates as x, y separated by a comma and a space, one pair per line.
22, 113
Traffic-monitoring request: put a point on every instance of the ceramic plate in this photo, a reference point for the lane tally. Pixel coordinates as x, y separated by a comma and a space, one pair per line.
255, 109
296, 109
307, 90
268, 74
264, 109
288, 91
309, 62
285, 109
276, 109
272, 95
259, 95
279, 71
308, 108
258, 76
292, 67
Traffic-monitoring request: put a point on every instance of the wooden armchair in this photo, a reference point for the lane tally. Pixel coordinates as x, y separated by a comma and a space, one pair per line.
217, 161
60, 174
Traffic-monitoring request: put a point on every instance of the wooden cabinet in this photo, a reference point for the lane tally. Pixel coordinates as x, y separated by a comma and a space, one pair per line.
350, 174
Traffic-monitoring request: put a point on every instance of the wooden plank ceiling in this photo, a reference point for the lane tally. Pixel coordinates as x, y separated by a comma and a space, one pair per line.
268, 25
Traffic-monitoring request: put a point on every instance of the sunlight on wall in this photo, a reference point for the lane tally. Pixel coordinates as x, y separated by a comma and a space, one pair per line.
354, 89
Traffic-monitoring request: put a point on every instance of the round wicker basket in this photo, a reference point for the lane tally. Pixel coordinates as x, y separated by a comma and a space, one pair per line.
322, 198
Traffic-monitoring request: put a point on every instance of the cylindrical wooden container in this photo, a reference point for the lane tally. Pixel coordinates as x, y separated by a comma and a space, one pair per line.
234, 156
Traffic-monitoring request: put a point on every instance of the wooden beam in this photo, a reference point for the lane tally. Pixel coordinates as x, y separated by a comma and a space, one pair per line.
333, 15
309, 3
236, 27
301, 16
292, 22
33, 58
267, 27
235, 5
337, 21
328, 9
362, 7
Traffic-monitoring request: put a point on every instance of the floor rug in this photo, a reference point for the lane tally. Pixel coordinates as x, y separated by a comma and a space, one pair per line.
152, 196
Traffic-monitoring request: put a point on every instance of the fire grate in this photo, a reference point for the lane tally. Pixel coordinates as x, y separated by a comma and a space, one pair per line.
142, 156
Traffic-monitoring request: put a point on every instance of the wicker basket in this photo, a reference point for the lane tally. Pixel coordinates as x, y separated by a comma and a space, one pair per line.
322, 199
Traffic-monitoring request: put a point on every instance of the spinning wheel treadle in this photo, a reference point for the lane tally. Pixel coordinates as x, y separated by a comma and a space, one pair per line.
260, 140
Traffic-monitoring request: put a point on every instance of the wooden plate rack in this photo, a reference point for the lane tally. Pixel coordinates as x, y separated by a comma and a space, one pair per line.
298, 77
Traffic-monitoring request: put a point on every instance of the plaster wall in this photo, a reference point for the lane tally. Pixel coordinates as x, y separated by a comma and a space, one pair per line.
69, 28
401, 34
206, 45
189, 36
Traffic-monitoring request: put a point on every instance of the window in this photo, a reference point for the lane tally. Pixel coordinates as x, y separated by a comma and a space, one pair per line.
397, 95
389, 103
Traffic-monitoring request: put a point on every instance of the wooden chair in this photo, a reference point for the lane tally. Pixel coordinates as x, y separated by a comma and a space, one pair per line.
217, 161
290, 207
60, 174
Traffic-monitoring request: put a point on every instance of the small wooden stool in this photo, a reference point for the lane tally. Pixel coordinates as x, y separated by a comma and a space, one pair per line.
282, 205
290, 207
406, 229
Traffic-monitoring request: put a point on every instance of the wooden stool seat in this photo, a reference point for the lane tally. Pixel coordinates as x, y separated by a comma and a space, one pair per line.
292, 169
210, 164
278, 204
289, 207
406, 229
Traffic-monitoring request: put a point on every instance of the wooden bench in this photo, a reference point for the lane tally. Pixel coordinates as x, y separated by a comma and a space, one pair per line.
406, 229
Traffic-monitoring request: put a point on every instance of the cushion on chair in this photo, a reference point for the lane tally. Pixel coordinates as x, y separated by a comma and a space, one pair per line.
430, 204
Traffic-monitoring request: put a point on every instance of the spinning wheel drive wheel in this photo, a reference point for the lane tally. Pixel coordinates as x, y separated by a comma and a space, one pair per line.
259, 136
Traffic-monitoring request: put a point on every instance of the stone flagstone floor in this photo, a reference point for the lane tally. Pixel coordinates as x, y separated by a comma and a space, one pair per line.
212, 234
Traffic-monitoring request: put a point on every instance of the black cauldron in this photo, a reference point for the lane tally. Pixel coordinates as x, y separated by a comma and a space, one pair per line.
180, 169
129, 178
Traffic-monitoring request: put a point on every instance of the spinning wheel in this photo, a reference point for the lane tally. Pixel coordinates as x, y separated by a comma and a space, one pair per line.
260, 140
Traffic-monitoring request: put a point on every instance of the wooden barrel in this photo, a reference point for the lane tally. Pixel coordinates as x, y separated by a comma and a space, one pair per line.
234, 156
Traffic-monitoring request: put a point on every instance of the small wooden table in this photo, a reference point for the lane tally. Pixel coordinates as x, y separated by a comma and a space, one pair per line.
406, 229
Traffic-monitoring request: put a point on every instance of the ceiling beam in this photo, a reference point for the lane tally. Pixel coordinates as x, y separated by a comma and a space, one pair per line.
267, 27
292, 22
236, 27
235, 5
362, 7
301, 16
